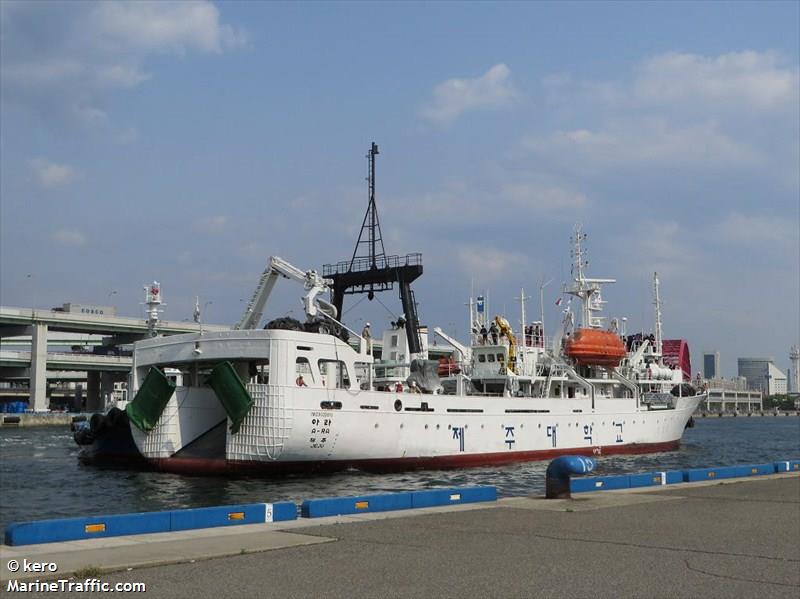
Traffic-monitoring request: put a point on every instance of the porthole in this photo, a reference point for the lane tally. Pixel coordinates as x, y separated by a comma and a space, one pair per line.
426, 427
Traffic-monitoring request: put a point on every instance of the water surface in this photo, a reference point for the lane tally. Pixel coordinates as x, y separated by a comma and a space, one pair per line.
41, 477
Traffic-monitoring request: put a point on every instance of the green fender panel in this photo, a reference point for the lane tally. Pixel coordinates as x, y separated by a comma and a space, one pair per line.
231, 392
151, 399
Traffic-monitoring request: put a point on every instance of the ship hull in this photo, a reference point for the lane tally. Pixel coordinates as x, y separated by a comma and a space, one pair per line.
288, 432
221, 467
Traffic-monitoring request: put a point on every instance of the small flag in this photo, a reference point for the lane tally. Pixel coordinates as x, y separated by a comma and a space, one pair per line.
197, 309
558, 301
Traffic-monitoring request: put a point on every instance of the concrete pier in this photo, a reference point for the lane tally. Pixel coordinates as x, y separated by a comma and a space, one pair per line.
735, 538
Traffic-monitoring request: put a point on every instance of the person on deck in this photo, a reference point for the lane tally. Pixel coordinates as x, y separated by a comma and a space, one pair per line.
494, 332
300, 381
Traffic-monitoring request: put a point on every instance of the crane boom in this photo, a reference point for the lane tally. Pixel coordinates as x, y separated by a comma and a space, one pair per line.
312, 282
465, 352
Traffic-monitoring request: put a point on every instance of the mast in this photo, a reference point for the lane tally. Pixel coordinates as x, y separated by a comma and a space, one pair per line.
370, 270
522, 299
371, 226
657, 304
152, 299
588, 290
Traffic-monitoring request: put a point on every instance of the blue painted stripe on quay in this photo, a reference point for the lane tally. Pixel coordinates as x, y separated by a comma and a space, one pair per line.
698, 474
72, 529
282, 511
648, 479
755, 469
788, 466
224, 515
340, 506
437, 497
599, 483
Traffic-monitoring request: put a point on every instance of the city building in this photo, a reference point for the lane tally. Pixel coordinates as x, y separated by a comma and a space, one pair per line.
711, 365
762, 375
731, 395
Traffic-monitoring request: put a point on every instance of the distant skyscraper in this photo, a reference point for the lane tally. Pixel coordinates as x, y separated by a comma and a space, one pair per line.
762, 375
794, 371
711, 365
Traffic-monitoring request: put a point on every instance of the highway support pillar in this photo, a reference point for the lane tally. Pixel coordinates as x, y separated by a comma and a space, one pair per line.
94, 401
38, 380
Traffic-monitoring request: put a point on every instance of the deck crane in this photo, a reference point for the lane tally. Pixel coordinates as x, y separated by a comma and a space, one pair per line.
312, 282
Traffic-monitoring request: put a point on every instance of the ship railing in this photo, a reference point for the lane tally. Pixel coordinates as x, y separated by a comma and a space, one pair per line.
367, 263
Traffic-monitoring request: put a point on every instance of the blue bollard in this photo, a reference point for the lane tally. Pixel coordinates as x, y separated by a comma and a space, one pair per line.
559, 471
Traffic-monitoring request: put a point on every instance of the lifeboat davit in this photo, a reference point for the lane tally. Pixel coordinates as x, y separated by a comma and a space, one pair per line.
592, 347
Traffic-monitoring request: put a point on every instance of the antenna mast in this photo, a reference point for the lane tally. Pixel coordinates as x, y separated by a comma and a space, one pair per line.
372, 227
583, 287
372, 270
657, 304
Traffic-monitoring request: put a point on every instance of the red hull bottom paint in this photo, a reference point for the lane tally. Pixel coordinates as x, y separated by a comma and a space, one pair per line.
216, 467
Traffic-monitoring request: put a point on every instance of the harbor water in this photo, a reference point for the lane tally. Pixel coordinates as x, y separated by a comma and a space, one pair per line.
41, 476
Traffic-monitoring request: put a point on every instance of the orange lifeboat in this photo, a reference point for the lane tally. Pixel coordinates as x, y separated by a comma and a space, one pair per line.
447, 367
591, 347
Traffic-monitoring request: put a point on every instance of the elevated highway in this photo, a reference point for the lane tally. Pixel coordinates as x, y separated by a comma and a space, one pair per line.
68, 361
16, 318
30, 326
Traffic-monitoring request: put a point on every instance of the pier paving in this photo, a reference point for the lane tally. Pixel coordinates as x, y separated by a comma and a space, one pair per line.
733, 538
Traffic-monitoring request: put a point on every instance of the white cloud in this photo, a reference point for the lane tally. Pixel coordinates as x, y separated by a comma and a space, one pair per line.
69, 237
543, 198
758, 80
211, 224
680, 110
667, 248
637, 141
454, 97
61, 60
490, 263
163, 26
759, 232
468, 201
51, 175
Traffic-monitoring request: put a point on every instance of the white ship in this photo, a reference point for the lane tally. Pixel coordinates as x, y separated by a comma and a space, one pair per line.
278, 400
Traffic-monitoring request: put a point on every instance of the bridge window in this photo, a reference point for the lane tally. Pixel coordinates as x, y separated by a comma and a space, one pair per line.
303, 367
481, 358
334, 370
491, 357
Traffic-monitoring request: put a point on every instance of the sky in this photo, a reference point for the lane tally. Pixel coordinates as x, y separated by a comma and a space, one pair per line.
188, 142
